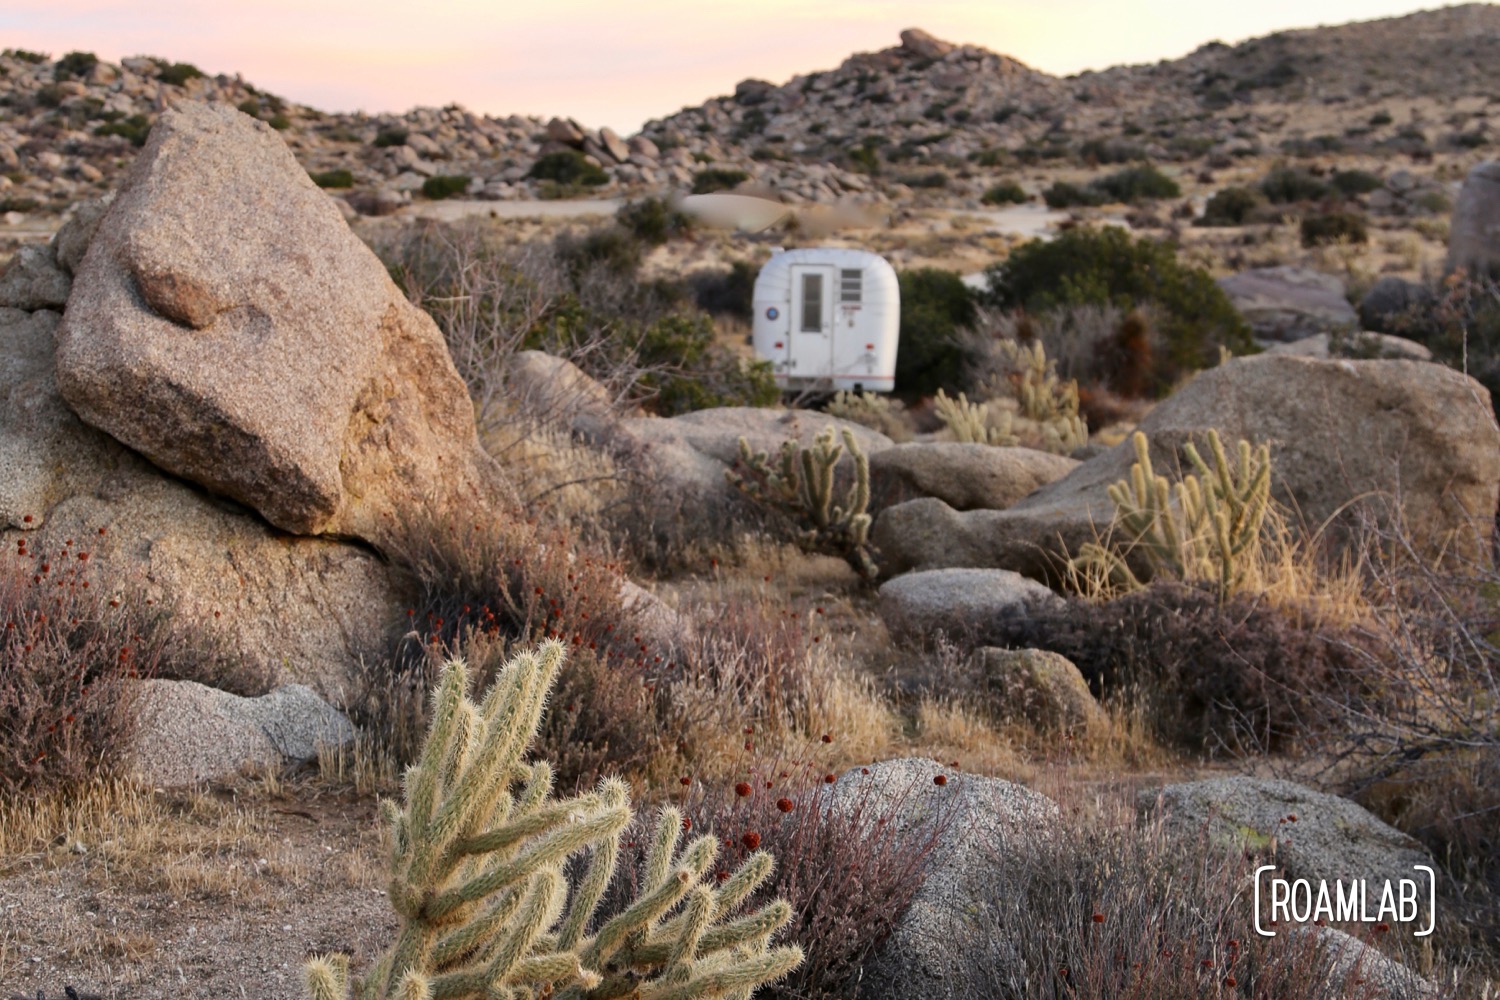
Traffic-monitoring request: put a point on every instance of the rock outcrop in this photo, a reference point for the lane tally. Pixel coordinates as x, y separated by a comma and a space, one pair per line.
1474, 236
1383, 438
1287, 304
964, 476
957, 602
226, 324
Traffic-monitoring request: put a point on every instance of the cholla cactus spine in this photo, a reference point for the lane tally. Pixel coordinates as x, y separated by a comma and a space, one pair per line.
972, 423
477, 875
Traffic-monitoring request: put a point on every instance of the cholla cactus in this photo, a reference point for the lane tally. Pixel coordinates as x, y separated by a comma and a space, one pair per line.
800, 484
1204, 528
879, 413
973, 423
477, 849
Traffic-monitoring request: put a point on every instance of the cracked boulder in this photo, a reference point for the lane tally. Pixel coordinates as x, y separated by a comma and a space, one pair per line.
226, 324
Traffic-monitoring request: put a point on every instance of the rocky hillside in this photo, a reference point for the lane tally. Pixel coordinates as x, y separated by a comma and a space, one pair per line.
927, 117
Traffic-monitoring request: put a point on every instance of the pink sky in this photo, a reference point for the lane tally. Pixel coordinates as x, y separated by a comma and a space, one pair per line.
604, 62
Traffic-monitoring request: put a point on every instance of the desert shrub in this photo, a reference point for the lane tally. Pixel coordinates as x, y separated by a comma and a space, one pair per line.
727, 293
26, 55
1322, 228
609, 248
928, 181
935, 305
1230, 206
568, 167
1354, 182
74, 65
50, 96
18, 205
718, 179
1136, 184
1006, 193
279, 122
1243, 674
180, 73
1285, 185
391, 135
879, 413
1381, 118
249, 106
849, 875
652, 221
1064, 194
333, 179
688, 370
442, 186
135, 128
1107, 267
1107, 151
74, 646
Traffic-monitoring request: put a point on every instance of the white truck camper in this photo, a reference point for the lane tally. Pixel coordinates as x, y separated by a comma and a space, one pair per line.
827, 318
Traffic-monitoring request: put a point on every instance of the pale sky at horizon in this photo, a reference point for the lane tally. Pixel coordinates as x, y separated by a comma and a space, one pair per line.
604, 64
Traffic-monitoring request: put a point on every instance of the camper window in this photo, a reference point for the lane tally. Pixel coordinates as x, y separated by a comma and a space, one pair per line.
850, 285
812, 303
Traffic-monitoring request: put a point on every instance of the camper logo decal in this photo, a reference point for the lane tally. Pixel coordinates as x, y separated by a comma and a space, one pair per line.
772, 313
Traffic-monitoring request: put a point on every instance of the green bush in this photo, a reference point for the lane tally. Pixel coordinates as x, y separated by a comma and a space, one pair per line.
1333, 227
1062, 194
26, 55
178, 74
727, 293
445, 186
929, 180
1106, 267
391, 136
135, 128
333, 179
718, 179
1230, 206
1285, 185
74, 65
279, 122
1381, 118
568, 167
935, 307
1006, 193
249, 106
693, 373
652, 220
1135, 184
1353, 182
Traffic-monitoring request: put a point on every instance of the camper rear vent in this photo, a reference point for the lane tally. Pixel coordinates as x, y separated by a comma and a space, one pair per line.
851, 281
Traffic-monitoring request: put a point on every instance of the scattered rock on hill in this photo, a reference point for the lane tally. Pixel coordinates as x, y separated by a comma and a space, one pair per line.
227, 324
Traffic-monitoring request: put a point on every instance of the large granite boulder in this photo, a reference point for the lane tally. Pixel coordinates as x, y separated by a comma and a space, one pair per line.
226, 324
1347, 438
944, 945
294, 609
957, 602
1289, 303
1315, 835
964, 476
1474, 233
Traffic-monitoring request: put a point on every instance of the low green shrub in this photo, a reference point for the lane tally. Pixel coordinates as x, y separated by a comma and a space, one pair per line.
26, 55
393, 135
652, 221
935, 307
718, 179
1231, 206
74, 65
1286, 185
1006, 193
1064, 194
135, 128
333, 179
180, 73
1354, 182
1323, 228
1108, 267
1136, 184
568, 167
445, 186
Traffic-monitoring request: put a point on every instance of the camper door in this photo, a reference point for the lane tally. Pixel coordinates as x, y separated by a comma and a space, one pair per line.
813, 289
